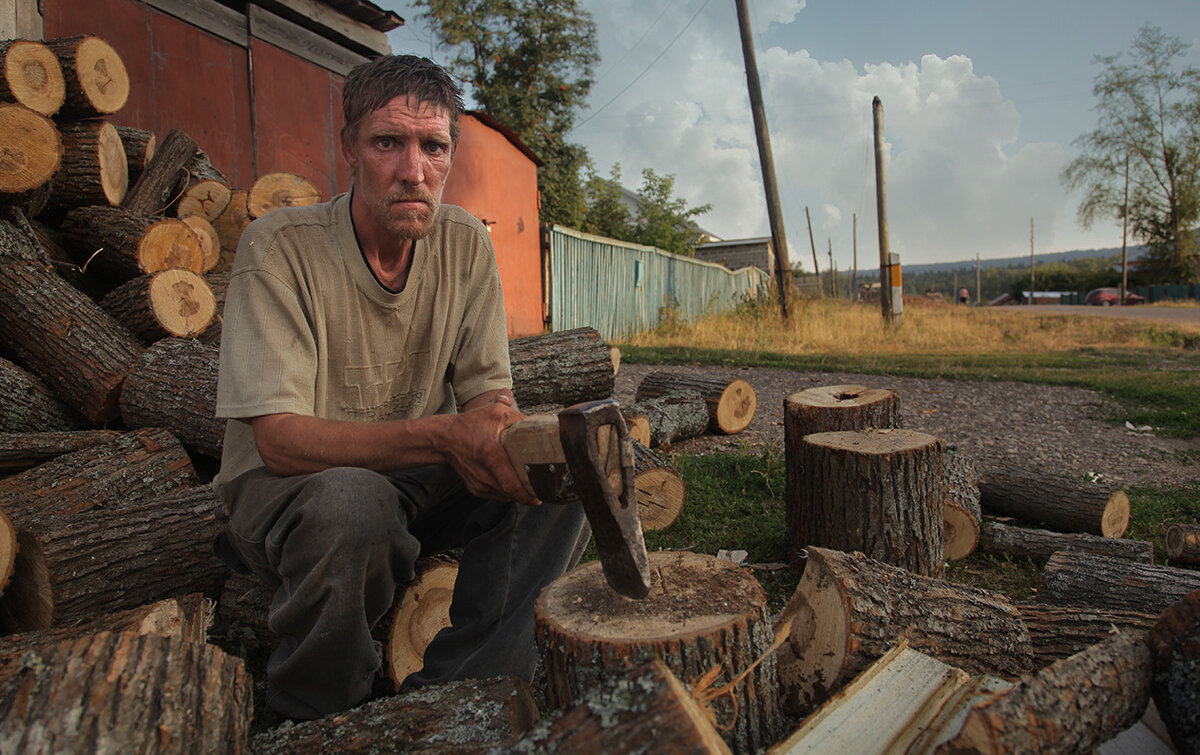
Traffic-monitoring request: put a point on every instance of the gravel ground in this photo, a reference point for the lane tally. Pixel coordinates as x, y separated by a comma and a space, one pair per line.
1057, 428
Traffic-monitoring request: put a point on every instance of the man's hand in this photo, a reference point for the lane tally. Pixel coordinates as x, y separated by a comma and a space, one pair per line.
475, 452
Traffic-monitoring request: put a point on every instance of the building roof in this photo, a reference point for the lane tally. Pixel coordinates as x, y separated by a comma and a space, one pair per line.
508, 133
368, 13
757, 240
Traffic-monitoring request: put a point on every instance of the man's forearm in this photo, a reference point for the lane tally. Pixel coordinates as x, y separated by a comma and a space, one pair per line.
297, 444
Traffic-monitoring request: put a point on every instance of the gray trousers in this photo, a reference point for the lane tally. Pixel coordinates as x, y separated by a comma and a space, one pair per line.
335, 545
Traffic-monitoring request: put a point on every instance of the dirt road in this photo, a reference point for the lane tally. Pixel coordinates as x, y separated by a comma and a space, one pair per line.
1171, 315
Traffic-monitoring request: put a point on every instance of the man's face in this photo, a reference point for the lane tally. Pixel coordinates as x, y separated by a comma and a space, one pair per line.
401, 155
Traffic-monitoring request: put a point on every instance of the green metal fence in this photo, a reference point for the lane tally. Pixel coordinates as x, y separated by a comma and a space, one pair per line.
621, 289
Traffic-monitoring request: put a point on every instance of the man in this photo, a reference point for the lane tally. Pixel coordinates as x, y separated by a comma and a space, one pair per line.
364, 371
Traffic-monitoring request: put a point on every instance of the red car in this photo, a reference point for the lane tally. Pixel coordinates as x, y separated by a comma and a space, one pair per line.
1107, 297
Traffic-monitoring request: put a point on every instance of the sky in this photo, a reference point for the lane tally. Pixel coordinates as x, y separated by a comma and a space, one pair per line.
981, 104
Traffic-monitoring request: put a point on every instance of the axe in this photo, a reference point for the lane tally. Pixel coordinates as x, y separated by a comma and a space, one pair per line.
585, 451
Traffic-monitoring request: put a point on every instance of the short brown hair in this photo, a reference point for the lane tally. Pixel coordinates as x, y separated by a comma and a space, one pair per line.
373, 84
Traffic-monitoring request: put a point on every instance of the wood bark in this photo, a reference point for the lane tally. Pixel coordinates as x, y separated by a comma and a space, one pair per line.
275, 190
1183, 543
139, 146
1053, 501
218, 283
1174, 642
171, 303
155, 190
9, 547
94, 169
1003, 539
1086, 579
202, 190
119, 525
96, 80
174, 385
31, 406
31, 75
422, 612
127, 692
56, 331
702, 614
881, 492
21, 450
848, 610
661, 492
673, 417
565, 368
121, 245
1073, 705
729, 402
963, 513
30, 154
648, 704
1058, 632
487, 715
52, 243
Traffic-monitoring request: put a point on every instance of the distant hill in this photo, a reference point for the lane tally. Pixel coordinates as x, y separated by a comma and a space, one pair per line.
948, 267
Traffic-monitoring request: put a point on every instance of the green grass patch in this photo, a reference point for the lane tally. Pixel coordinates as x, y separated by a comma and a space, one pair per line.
1153, 509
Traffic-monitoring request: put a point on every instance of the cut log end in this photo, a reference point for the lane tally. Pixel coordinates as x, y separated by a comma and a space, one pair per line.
207, 198
961, 533
418, 616
8, 550
1115, 520
114, 164
182, 302
206, 234
275, 190
101, 76
170, 243
30, 149
660, 497
736, 407
34, 76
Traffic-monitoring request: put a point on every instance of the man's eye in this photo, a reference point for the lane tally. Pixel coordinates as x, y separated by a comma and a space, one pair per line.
385, 142
436, 148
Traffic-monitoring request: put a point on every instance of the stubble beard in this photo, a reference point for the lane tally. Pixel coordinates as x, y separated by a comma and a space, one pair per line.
411, 224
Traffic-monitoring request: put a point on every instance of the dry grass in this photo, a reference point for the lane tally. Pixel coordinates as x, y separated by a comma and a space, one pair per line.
838, 326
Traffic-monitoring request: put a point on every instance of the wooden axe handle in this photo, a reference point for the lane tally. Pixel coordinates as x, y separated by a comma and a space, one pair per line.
534, 440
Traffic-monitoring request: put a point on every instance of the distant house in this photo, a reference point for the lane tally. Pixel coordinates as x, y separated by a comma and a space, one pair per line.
738, 253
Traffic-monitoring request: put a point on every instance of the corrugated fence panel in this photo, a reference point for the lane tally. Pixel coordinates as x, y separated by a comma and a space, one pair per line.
621, 289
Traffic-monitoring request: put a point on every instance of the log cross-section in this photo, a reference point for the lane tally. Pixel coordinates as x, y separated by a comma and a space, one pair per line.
31, 75
97, 82
730, 403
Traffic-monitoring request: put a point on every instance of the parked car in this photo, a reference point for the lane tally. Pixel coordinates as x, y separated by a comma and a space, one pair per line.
1107, 297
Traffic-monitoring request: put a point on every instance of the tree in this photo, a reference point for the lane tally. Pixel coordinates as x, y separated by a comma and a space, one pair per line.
1149, 115
665, 221
606, 213
529, 65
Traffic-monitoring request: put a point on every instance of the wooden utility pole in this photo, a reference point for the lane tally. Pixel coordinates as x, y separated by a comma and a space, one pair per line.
1032, 268
783, 268
978, 279
885, 277
813, 247
1124, 230
854, 270
832, 270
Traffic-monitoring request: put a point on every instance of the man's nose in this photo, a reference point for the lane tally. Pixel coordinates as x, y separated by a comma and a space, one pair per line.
410, 165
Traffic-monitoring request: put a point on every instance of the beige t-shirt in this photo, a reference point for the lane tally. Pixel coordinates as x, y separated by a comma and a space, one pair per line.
309, 330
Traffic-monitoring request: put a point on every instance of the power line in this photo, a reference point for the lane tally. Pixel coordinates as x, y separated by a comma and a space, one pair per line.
631, 48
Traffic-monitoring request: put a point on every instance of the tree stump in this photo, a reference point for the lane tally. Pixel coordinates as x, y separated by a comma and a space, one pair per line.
127, 692
139, 146
963, 513
661, 492
848, 610
172, 303
202, 190
22, 450
1116, 584
130, 245
1003, 539
32, 407
30, 75
31, 153
487, 715
174, 385
1071, 706
881, 492
702, 615
1058, 632
275, 190
422, 612
118, 525
729, 402
1174, 642
564, 368
1183, 543
96, 80
673, 417
154, 192
1053, 501
94, 169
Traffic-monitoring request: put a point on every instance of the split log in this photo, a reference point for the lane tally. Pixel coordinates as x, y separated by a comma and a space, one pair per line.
848, 610
174, 384
422, 612
154, 192
729, 403
31, 75
1057, 632
121, 245
487, 715
118, 525
673, 417
94, 169
1073, 705
127, 692
1053, 501
881, 492
702, 614
1174, 643
139, 150
1183, 543
31, 154
1116, 584
97, 82
21, 450
1003, 539
230, 224
646, 705
171, 303
56, 331
275, 190
638, 424
948, 720
963, 513
202, 190
566, 368
206, 234
661, 492
31, 406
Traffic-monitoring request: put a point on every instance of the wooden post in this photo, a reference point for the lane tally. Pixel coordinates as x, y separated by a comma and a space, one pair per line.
1032, 268
813, 247
885, 289
854, 270
978, 284
783, 268
1125, 237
